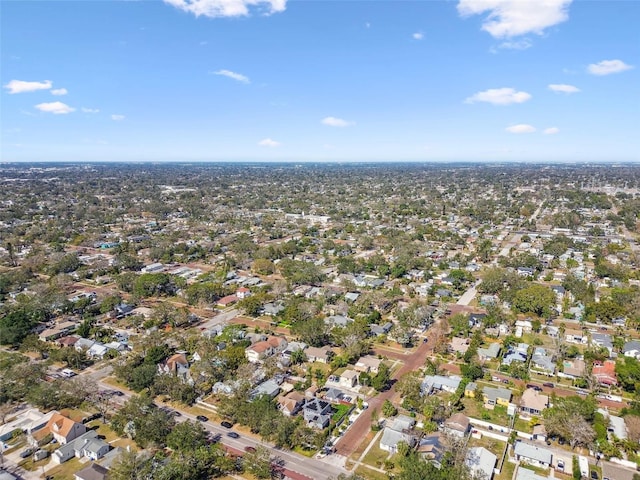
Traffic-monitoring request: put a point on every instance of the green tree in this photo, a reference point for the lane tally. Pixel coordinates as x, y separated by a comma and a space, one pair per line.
187, 437
388, 409
537, 299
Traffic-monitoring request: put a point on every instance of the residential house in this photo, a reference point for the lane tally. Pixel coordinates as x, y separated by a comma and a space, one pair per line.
490, 352
334, 395
539, 433
481, 462
271, 388
432, 448
349, 378
83, 344
319, 354
368, 364
67, 341
401, 430
337, 321
317, 413
533, 402
224, 302
176, 365
87, 445
351, 296
573, 368
28, 421
379, 330
528, 474
602, 340
516, 353
92, 472
265, 348
493, 396
63, 429
272, 309
458, 425
97, 350
542, 363
532, 454
470, 390
243, 292
605, 373
432, 383
631, 349
291, 403
459, 345
476, 319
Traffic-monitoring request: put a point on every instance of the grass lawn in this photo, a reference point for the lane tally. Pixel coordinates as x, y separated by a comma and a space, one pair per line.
66, 470
73, 414
371, 474
341, 411
472, 408
304, 451
494, 446
375, 457
523, 425
363, 445
507, 471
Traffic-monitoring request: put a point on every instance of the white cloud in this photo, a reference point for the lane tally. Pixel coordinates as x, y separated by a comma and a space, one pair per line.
89, 110
521, 128
607, 67
418, 36
563, 88
268, 142
20, 86
336, 122
117, 118
228, 8
235, 76
57, 108
59, 91
551, 130
511, 18
521, 44
499, 96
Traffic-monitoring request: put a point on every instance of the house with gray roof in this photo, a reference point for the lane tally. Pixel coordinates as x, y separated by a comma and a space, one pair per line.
270, 388
317, 413
432, 448
516, 353
532, 454
401, 430
602, 340
88, 444
481, 462
542, 363
492, 351
434, 383
631, 349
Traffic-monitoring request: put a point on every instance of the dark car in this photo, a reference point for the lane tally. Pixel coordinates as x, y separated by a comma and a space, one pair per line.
250, 449
594, 475
233, 435
202, 418
226, 424
548, 384
118, 393
26, 453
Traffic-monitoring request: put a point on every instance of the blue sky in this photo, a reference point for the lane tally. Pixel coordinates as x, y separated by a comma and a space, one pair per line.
255, 80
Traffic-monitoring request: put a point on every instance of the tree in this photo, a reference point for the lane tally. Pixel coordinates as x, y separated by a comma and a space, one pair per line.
258, 463
388, 409
313, 331
187, 437
132, 466
570, 418
537, 299
381, 380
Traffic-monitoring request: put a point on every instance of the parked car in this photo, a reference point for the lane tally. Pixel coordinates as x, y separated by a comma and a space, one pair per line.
202, 418
226, 424
249, 449
26, 453
233, 435
548, 384
594, 475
